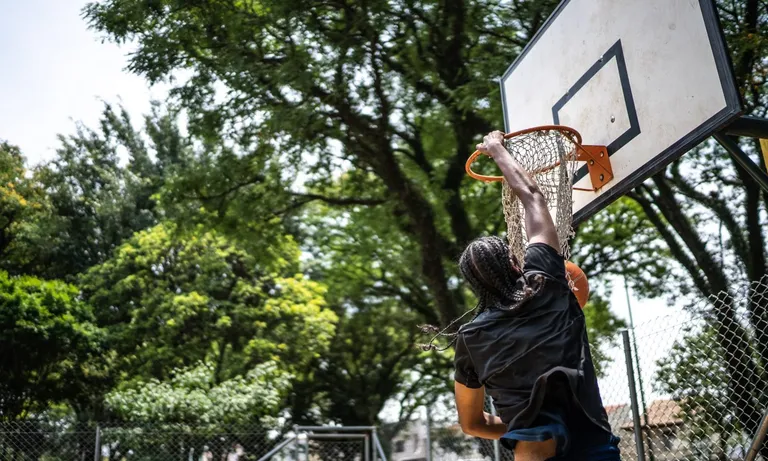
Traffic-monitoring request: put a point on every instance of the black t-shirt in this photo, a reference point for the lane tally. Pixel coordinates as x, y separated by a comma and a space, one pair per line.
536, 356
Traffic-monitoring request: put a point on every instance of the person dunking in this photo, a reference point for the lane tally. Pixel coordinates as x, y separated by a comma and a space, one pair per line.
527, 345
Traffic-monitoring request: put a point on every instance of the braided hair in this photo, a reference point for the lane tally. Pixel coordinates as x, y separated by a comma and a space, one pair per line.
496, 278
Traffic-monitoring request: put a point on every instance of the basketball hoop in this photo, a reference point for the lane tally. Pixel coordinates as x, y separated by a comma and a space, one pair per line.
596, 157
550, 154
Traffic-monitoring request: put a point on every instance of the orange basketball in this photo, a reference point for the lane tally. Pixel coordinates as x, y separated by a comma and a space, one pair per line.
578, 282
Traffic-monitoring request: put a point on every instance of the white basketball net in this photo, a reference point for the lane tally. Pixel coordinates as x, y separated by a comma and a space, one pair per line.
550, 157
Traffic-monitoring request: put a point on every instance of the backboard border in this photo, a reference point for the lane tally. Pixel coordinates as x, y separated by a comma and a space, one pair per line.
731, 111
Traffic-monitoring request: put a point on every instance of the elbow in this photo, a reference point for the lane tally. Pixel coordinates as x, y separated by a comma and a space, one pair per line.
469, 428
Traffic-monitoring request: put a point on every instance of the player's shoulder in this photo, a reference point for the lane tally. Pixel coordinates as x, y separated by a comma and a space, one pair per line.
541, 248
543, 258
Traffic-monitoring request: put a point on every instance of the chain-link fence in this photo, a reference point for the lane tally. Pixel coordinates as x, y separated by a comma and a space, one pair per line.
698, 381
54, 441
61, 440
689, 386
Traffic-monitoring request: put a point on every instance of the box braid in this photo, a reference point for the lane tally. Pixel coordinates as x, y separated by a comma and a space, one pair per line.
496, 279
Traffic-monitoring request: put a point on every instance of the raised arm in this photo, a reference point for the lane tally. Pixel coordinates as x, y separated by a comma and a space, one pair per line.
538, 220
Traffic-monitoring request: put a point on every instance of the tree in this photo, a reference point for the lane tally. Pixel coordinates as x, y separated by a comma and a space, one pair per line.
47, 338
170, 301
381, 155
192, 410
195, 395
403, 132
101, 186
20, 201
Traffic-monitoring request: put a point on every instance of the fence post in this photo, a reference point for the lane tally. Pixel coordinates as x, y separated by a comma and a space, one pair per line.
367, 448
97, 445
428, 441
757, 442
496, 443
296, 443
633, 396
375, 438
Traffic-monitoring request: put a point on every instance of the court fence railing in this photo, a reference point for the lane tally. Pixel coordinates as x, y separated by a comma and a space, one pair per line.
59, 440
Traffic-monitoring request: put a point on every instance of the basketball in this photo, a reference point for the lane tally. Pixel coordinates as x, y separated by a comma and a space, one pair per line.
578, 282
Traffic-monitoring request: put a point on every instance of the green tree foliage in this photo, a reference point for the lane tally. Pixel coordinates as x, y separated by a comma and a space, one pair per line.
373, 110
46, 336
400, 133
172, 301
194, 396
101, 186
21, 200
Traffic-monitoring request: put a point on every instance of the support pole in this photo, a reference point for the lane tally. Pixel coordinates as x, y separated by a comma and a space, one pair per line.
375, 437
760, 177
428, 441
757, 442
748, 126
97, 447
633, 396
378, 447
279, 447
636, 354
366, 448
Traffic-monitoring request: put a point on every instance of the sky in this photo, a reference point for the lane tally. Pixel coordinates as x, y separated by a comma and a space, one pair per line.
56, 71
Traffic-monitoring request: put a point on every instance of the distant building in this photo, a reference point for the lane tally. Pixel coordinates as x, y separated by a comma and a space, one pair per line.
664, 433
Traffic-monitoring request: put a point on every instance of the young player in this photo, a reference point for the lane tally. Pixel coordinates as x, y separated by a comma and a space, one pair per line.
527, 346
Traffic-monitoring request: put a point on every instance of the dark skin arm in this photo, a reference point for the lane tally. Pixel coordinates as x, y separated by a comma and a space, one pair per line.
540, 229
473, 420
538, 221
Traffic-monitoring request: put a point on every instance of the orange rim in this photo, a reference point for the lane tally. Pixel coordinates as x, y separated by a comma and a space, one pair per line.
568, 131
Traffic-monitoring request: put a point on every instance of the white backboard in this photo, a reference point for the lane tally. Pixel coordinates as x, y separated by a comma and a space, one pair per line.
650, 79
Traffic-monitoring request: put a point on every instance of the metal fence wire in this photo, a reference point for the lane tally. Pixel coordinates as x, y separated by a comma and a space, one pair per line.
688, 386
698, 379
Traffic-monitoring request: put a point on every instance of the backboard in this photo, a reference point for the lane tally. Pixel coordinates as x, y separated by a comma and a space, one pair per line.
649, 79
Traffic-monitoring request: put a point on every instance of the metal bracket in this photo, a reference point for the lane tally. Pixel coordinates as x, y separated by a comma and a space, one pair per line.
758, 175
747, 125
598, 164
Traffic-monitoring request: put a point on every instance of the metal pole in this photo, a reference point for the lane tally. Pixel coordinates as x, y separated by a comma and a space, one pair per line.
97, 448
335, 428
760, 177
754, 449
375, 437
279, 447
633, 396
496, 443
639, 371
336, 436
295, 443
379, 448
367, 448
747, 125
428, 441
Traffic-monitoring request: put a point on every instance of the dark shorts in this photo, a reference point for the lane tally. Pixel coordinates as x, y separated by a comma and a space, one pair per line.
585, 443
